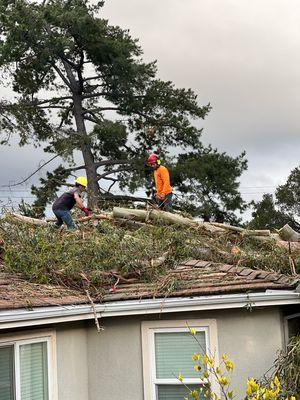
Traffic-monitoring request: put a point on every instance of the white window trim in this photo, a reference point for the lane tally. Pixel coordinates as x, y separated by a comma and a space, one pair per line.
35, 337
150, 327
286, 327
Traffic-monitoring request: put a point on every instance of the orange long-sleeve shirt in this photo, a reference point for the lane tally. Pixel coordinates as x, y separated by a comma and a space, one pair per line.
162, 181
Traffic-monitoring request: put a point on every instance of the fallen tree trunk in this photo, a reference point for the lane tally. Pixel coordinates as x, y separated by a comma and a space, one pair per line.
28, 220
228, 227
153, 215
274, 238
257, 232
244, 232
93, 217
288, 234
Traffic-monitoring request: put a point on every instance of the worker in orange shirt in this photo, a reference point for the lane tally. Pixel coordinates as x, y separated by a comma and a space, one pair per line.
163, 195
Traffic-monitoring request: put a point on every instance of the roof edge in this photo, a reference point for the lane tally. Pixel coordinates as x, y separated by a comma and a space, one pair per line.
59, 314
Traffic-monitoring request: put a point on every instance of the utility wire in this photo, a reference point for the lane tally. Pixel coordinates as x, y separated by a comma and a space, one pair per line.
33, 173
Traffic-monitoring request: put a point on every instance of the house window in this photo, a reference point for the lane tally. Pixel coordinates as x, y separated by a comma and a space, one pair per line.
168, 348
25, 369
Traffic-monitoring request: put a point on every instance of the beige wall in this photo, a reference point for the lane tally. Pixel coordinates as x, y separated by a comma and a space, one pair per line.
72, 361
108, 365
115, 360
251, 339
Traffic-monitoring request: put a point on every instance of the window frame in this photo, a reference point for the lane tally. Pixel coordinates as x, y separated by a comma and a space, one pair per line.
149, 328
18, 340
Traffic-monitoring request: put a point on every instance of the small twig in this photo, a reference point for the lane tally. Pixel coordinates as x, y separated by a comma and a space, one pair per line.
99, 328
291, 261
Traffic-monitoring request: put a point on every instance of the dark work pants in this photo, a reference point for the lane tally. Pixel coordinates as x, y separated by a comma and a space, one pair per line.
166, 204
64, 216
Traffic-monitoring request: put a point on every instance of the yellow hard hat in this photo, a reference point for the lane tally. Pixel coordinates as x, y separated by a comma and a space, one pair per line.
81, 180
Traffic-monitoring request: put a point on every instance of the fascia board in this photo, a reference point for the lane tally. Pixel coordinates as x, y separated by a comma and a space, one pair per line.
58, 314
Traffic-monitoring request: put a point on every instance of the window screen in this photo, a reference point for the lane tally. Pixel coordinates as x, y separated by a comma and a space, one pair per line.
34, 371
173, 356
6, 373
175, 392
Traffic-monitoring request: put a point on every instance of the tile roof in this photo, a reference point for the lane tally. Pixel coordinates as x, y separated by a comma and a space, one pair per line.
190, 278
196, 278
17, 293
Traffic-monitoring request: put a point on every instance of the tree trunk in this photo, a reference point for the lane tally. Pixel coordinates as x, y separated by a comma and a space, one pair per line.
88, 157
288, 234
153, 215
27, 220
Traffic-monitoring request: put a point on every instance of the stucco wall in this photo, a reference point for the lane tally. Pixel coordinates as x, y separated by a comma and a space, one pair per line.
115, 360
251, 339
108, 365
72, 361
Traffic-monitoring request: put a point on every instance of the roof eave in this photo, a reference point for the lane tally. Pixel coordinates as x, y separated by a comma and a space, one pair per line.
49, 315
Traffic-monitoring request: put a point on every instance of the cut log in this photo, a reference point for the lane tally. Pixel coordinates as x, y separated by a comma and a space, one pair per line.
211, 228
288, 234
257, 232
274, 238
228, 227
28, 220
94, 216
153, 215
244, 232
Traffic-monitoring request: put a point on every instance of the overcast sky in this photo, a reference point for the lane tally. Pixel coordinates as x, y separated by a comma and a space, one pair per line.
242, 56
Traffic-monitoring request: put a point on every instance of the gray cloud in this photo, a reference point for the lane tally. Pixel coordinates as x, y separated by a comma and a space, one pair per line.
242, 56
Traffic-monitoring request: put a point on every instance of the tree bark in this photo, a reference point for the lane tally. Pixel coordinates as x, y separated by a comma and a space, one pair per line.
28, 220
242, 231
88, 157
153, 215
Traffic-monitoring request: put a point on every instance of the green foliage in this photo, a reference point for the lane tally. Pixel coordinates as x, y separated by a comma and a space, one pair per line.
284, 210
109, 140
266, 216
287, 368
94, 69
288, 195
209, 181
44, 254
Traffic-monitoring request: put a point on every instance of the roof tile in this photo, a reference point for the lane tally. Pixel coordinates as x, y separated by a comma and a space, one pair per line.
191, 278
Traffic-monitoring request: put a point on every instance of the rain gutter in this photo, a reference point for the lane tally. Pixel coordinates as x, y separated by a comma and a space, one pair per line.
58, 314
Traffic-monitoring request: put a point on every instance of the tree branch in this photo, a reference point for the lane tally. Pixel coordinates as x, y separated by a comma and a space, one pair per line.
54, 99
111, 162
91, 95
113, 180
97, 119
115, 171
91, 120
91, 78
101, 164
61, 107
64, 79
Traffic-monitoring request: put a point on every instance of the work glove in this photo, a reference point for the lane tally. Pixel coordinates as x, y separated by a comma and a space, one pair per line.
86, 211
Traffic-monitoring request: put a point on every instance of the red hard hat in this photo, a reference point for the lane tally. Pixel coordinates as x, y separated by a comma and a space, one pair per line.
152, 158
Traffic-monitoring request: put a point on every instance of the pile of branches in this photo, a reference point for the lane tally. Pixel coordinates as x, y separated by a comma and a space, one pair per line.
132, 245
287, 368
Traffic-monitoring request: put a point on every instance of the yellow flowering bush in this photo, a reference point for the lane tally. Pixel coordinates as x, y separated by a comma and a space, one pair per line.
219, 376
